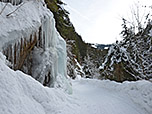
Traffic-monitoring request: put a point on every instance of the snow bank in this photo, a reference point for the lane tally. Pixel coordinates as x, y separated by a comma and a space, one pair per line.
140, 92
21, 94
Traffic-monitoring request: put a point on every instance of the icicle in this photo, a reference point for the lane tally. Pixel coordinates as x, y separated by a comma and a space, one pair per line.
15, 52
18, 52
43, 32
10, 53
15, 3
12, 48
11, 1
46, 33
41, 36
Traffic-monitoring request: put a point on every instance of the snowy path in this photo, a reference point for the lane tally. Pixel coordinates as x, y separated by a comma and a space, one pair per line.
94, 100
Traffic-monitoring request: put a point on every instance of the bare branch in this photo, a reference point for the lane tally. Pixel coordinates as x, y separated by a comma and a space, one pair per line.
15, 9
3, 8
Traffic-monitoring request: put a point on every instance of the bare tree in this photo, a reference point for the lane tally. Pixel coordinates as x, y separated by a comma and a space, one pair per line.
139, 18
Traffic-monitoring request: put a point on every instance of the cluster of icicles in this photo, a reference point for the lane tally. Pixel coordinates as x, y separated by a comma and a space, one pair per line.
14, 2
17, 52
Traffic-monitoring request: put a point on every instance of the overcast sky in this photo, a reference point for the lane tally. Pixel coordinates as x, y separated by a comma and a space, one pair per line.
99, 21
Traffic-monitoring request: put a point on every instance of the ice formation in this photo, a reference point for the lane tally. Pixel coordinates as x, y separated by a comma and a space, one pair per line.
49, 59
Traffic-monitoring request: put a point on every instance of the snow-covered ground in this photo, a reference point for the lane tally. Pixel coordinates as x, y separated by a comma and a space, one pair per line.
21, 94
106, 97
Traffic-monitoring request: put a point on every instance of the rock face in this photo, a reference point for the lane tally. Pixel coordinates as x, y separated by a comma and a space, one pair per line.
131, 59
33, 44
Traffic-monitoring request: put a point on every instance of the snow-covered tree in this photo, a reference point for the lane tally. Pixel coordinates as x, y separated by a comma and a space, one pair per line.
90, 68
131, 59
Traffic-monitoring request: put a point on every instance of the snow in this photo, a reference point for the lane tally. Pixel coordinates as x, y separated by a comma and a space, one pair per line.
93, 45
106, 97
150, 32
78, 70
21, 94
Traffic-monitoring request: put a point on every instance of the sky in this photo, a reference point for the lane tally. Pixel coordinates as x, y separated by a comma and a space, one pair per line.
99, 21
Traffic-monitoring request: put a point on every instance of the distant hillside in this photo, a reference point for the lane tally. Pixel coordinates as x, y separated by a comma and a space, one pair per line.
103, 46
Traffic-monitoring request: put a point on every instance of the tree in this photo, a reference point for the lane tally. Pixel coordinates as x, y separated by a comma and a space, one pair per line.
90, 68
140, 17
131, 57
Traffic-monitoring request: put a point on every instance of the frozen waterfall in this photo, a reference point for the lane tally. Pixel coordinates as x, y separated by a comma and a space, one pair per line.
49, 59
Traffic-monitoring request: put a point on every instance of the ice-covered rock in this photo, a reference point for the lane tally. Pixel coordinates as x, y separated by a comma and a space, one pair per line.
49, 60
